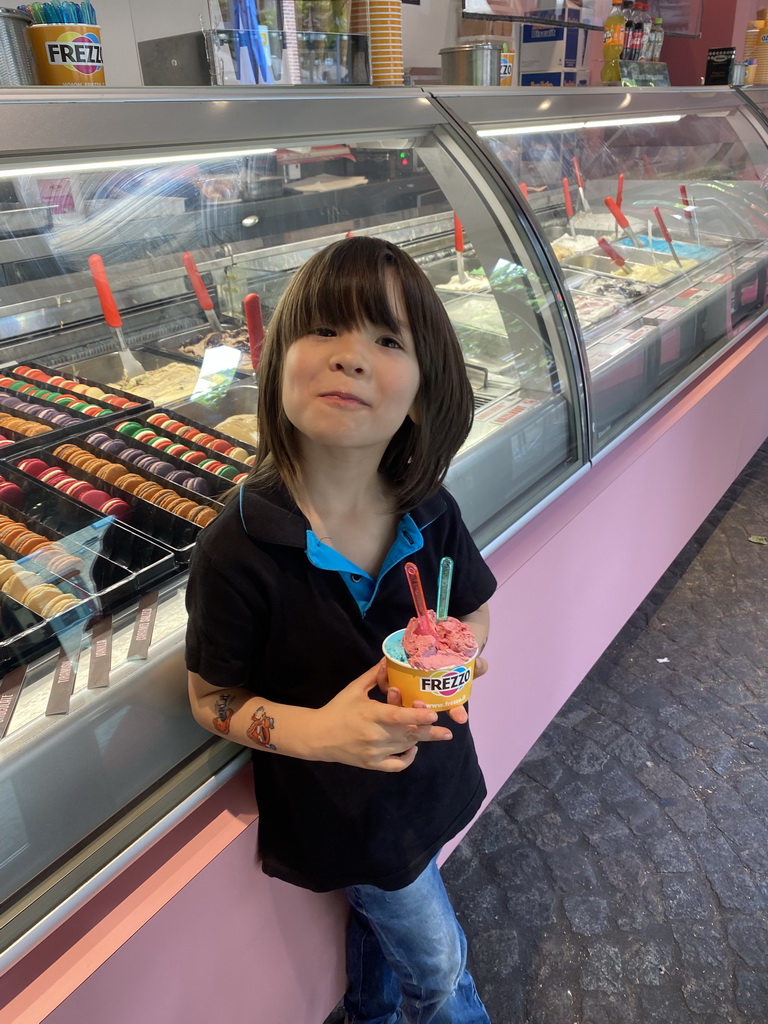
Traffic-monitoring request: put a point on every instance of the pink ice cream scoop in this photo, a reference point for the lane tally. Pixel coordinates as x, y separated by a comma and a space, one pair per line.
448, 643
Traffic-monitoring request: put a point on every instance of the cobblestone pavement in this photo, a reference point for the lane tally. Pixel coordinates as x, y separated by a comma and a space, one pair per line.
621, 874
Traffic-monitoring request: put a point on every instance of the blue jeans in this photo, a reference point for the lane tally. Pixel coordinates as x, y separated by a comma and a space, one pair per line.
406, 957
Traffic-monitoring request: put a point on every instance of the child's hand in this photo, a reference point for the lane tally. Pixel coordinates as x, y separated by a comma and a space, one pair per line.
458, 714
353, 729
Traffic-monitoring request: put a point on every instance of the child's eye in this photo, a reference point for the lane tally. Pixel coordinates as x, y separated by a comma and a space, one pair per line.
389, 342
324, 332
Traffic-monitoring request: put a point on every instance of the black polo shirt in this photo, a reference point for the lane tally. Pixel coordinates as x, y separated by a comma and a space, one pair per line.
262, 616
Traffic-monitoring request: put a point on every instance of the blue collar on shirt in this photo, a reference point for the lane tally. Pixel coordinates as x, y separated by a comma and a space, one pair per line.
362, 586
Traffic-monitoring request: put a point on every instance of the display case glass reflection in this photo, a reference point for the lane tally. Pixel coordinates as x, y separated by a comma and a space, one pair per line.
659, 224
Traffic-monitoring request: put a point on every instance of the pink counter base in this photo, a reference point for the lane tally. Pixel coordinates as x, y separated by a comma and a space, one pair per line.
194, 932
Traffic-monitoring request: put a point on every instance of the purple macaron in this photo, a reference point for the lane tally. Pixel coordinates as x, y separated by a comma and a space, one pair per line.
199, 485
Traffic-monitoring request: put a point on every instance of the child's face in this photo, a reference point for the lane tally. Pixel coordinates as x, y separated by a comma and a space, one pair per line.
352, 388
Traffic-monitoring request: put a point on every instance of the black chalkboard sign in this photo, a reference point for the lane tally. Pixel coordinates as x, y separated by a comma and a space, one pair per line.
644, 72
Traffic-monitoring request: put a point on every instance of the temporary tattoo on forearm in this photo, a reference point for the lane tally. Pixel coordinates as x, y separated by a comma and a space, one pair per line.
260, 729
223, 714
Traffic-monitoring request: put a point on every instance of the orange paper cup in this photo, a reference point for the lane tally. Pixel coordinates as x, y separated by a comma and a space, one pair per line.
439, 690
67, 54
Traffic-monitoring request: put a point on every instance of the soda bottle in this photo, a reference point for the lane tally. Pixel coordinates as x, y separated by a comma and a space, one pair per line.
658, 40
629, 28
613, 44
643, 26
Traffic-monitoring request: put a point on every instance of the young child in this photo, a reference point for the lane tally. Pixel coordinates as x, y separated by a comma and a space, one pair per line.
364, 401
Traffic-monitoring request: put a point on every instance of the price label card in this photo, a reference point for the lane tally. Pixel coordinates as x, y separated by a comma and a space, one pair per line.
63, 684
10, 688
101, 654
138, 649
663, 313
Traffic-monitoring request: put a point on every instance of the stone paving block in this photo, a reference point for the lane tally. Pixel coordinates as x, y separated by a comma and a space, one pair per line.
584, 756
687, 898
671, 746
669, 853
629, 750
662, 1006
588, 915
578, 800
752, 995
702, 944
603, 969
748, 937
572, 871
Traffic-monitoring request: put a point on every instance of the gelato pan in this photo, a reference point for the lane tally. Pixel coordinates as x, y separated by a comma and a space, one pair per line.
166, 384
566, 245
234, 338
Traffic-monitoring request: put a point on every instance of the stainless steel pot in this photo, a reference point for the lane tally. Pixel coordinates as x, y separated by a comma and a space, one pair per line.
471, 64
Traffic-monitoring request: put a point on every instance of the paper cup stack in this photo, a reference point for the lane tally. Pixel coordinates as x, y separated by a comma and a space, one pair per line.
386, 37
760, 53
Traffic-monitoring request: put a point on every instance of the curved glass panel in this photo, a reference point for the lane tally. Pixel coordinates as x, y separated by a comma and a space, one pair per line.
655, 211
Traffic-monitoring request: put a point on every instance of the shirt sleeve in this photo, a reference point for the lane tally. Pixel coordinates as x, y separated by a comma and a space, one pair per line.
227, 627
473, 582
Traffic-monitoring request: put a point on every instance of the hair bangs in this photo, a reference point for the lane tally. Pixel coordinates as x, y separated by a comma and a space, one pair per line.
346, 290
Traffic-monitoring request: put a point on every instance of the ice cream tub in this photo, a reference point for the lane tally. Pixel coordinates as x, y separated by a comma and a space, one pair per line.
438, 689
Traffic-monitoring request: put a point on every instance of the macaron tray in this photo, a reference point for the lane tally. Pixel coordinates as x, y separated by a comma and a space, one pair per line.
35, 400
63, 564
174, 424
163, 511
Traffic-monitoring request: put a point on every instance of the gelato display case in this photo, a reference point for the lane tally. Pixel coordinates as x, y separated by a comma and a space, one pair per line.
577, 317
652, 203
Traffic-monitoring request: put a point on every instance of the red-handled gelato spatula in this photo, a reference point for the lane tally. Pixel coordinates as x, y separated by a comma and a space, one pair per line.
620, 191
524, 189
580, 184
689, 212
568, 206
622, 221
114, 321
205, 300
667, 236
255, 324
609, 251
458, 244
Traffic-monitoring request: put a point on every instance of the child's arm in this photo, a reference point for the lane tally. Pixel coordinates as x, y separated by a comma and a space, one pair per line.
350, 729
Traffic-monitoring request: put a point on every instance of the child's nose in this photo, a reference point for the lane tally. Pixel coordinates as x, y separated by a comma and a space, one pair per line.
349, 355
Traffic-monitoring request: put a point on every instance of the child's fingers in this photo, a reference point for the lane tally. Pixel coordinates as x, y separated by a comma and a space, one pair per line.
459, 714
481, 667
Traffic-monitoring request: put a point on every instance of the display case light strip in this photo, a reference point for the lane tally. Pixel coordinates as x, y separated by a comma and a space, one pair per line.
143, 161
570, 126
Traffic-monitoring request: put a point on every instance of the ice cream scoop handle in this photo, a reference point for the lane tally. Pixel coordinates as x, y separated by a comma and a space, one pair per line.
577, 170
662, 225
612, 205
106, 298
255, 325
458, 234
567, 197
608, 249
205, 300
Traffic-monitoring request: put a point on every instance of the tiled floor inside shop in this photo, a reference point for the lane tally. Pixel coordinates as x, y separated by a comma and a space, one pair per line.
621, 874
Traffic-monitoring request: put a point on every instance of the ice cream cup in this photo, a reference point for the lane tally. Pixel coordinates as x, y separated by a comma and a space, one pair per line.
439, 690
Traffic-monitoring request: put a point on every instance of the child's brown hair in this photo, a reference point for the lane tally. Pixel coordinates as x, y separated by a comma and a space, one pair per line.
340, 287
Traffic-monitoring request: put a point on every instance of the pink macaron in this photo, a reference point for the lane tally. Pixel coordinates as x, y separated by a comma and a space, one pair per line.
35, 467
